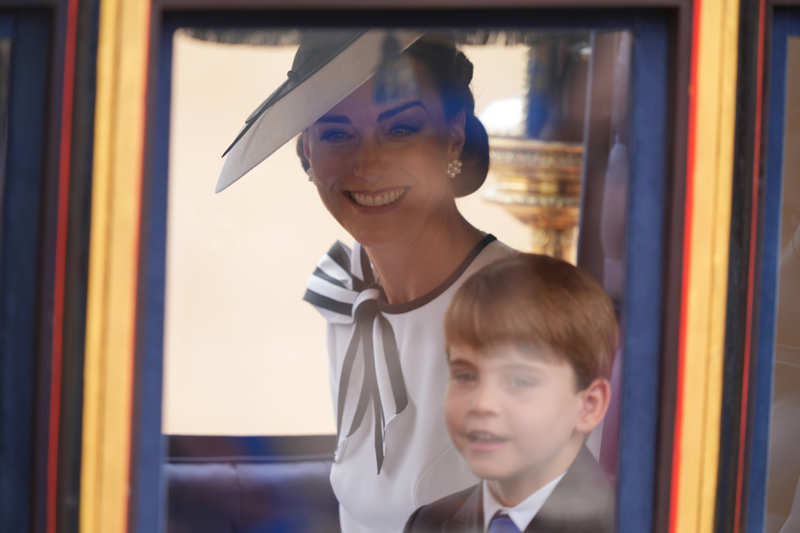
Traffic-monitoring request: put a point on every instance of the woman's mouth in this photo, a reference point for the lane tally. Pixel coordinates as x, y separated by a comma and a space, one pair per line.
377, 199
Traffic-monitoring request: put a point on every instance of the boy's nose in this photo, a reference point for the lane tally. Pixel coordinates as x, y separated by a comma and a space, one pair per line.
484, 398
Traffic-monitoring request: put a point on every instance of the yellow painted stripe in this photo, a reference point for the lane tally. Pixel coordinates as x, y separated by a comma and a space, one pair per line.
111, 307
708, 268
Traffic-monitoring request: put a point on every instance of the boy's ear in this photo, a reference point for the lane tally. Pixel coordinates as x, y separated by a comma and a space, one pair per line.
596, 398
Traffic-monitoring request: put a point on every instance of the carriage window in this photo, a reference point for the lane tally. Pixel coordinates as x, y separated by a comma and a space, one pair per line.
243, 354
783, 487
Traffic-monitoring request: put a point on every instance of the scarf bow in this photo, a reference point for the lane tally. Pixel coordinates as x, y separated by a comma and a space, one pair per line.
344, 290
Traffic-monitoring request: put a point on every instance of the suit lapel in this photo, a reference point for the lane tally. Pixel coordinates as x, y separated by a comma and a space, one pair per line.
578, 500
469, 517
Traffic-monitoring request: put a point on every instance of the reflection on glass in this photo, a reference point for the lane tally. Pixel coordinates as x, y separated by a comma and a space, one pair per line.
243, 354
783, 487
536, 142
5, 66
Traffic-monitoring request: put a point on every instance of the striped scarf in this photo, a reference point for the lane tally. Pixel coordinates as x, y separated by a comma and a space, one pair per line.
344, 290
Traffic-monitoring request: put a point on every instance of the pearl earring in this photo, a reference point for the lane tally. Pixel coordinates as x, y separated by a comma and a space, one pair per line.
453, 168
310, 174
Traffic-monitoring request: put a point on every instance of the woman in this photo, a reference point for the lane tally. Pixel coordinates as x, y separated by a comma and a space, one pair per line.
388, 161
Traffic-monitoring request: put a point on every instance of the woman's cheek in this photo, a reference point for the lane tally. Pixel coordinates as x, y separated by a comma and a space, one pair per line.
328, 173
428, 161
324, 182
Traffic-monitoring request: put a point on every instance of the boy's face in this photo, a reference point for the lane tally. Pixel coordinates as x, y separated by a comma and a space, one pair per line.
515, 417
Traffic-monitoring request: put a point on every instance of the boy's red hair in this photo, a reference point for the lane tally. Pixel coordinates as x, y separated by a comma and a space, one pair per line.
536, 300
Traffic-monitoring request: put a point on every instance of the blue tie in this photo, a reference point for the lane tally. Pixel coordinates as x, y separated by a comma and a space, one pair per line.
501, 523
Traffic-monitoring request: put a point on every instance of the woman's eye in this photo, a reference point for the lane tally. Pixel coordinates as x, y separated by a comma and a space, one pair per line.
335, 136
402, 130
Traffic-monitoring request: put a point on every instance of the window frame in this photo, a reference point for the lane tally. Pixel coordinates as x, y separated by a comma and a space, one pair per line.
147, 452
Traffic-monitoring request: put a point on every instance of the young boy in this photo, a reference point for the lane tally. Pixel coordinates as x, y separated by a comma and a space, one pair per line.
530, 344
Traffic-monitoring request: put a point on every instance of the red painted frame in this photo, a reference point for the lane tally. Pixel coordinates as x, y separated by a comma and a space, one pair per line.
53, 239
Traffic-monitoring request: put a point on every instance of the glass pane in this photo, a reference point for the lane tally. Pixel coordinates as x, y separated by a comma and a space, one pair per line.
244, 355
236, 258
783, 490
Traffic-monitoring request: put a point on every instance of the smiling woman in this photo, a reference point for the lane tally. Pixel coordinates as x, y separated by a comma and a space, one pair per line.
388, 161
381, 169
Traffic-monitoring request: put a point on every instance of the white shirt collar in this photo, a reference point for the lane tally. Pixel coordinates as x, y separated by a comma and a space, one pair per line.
522, 513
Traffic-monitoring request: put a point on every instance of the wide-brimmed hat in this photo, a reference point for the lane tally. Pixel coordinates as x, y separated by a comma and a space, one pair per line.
328, 67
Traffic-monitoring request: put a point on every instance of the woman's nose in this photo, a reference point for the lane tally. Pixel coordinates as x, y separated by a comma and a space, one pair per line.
367, 158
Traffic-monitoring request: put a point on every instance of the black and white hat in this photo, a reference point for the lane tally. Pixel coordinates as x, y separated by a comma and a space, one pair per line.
326, 69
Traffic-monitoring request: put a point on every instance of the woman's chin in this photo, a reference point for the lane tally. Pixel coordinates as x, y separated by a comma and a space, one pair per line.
377, 229
377, 235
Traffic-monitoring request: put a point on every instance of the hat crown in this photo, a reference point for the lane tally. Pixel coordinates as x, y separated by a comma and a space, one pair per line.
318, 47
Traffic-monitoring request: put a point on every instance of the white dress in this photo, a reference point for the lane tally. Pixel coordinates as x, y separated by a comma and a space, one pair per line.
382, 472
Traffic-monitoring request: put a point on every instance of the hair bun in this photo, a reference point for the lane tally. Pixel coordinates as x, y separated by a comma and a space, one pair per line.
464, 68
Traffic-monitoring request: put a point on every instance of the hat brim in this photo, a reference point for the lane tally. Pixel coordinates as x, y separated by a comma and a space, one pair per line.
295, 106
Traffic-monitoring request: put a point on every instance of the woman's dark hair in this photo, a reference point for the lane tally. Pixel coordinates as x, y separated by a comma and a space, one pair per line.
451, 73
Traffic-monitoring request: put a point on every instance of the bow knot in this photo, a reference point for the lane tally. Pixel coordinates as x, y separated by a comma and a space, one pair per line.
366, 309
343, 290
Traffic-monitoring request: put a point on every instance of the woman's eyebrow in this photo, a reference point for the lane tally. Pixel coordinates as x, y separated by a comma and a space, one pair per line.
339, 119
399, 109
342, 119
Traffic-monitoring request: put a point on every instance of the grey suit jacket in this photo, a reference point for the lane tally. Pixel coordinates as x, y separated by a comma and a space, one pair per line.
582, 502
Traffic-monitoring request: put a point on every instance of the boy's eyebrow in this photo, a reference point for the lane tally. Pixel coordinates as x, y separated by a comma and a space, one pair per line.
457, 361
517, 367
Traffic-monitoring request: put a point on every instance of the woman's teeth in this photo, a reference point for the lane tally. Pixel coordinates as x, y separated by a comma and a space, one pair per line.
376, 199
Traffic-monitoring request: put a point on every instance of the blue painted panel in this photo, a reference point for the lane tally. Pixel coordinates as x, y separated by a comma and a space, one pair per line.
786, 23
644, 278
149, 446
20, 251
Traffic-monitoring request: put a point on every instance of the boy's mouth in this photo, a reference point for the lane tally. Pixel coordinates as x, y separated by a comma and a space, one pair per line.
480, 440
483, 436
378, 198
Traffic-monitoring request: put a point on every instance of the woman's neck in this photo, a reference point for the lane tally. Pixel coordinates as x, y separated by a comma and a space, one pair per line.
409, 269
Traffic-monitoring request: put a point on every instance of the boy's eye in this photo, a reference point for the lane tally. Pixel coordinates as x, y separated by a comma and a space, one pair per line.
335, 136
462, 376
521, 381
